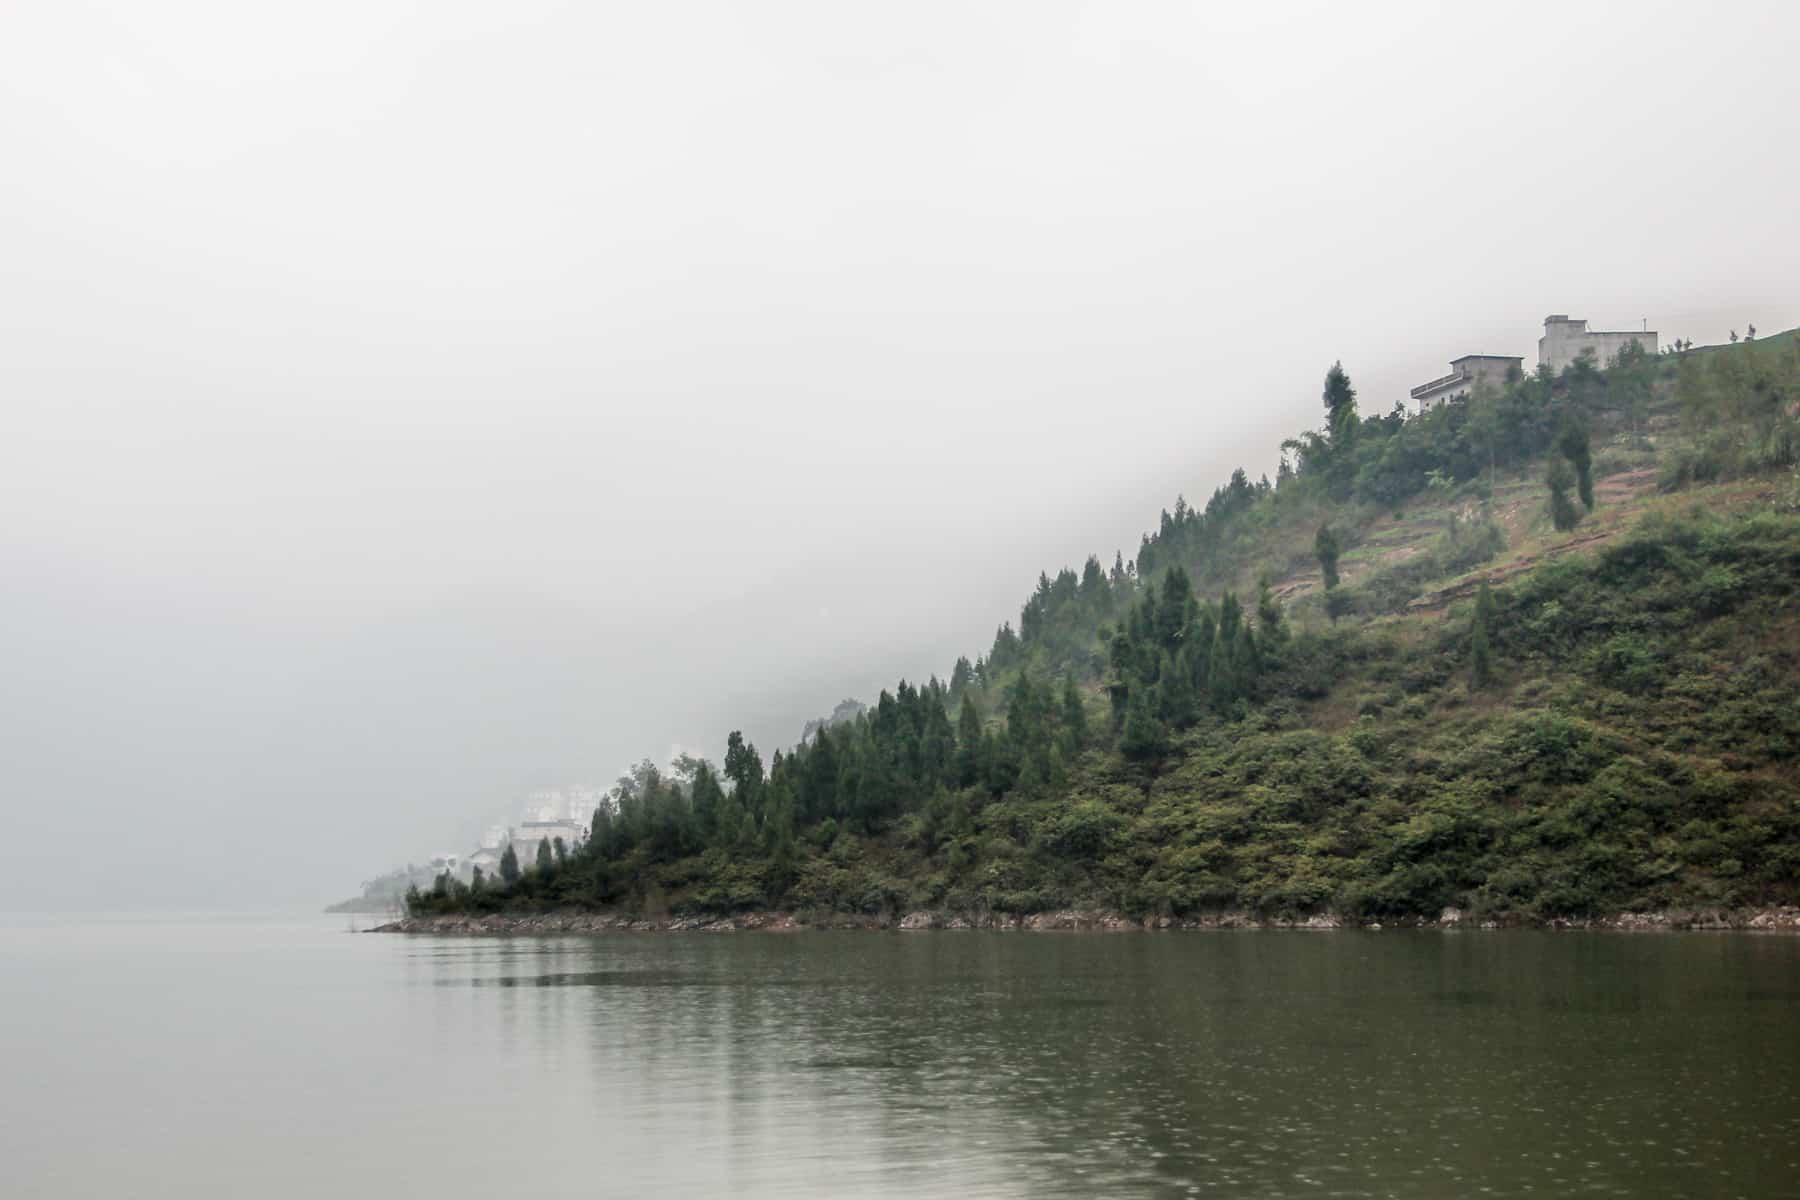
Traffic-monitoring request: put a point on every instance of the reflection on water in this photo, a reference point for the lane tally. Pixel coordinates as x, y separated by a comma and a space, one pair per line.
1268, 1064
1273, 1064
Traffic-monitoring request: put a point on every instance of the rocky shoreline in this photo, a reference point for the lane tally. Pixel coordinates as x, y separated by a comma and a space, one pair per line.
1781, 919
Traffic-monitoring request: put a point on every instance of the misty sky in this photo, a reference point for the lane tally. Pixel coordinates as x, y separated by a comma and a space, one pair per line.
410, 405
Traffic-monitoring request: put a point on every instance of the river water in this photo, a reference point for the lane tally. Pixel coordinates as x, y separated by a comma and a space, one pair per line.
231, 1057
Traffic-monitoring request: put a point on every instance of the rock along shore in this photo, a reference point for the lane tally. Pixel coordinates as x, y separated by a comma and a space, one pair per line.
1783, 919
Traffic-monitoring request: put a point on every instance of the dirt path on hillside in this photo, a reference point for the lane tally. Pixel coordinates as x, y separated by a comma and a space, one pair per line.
1432, 603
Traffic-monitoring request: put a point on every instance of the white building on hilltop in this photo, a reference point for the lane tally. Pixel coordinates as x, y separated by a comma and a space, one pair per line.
1565, 340
1465, 373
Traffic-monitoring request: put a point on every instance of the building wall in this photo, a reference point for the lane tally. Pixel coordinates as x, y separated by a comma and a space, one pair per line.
1489, 370
1470, 371
1564, 340
1453, 391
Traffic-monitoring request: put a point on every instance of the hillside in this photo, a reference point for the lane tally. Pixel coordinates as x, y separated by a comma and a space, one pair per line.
1557, 678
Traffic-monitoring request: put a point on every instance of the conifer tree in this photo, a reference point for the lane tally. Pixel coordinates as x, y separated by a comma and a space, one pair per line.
509, 864
705, 796
1560, 478
1341, 426
1340, 406
743, 766
968, 745
544, 860
1572, 443
1480, 655
1174, 694
1074, 714
820, 787
1325, 545
1221, 688
1144, 737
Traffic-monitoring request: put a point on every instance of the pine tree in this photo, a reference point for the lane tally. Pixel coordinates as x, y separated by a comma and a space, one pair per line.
819, 787
544, 859
1074, 714
1144, 737
1173, 612
1572, 442
1340, 406
1563, 513
1221, 685
1480, 655
1341, 426
509, 865
705, 795
743, 766
1325, 545
1175, 693
968, 745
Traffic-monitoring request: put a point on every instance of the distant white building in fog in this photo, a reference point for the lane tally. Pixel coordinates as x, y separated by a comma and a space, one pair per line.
576, 804
527, 834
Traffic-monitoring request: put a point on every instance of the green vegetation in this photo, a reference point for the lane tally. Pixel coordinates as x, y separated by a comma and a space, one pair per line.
1600, 731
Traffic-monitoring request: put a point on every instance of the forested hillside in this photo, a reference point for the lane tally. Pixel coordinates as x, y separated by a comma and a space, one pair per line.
1532, 655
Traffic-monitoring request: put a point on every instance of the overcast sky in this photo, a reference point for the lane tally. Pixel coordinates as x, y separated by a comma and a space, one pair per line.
410, 405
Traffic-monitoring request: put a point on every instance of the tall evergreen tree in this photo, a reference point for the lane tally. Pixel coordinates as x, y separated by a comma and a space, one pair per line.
509, 864
544, 859
1074, 714
1145, 737
1325, 546
1572, 443
968, 745
1341, 427
1563, 513
705, 798
1174, 694
744, 767
820, 785
1480, 654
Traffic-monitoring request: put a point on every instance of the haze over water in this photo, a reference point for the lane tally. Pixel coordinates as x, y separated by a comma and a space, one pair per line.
235, 1056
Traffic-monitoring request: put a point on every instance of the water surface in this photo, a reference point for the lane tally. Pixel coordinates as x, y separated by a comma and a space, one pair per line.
229, 1057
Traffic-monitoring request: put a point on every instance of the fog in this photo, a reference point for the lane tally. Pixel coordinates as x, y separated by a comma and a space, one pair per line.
410, 405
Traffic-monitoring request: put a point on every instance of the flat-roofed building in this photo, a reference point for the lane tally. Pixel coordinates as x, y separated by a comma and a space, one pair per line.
1465, 373
1566, 340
